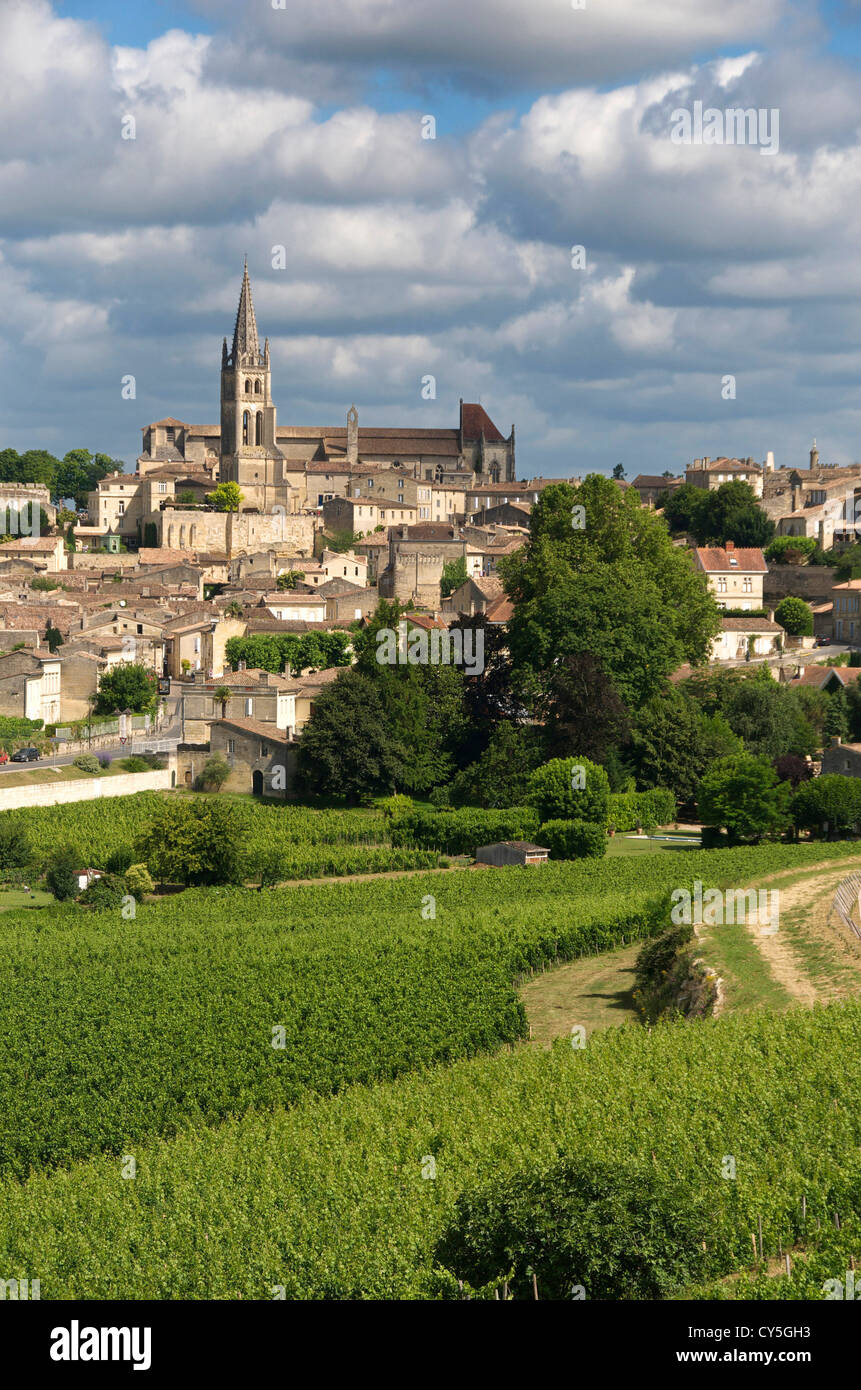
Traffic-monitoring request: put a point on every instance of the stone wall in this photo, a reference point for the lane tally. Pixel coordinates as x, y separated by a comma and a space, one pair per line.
83, 789
813, 583
232, 532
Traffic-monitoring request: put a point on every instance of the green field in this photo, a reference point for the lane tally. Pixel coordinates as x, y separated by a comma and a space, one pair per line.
309, 1078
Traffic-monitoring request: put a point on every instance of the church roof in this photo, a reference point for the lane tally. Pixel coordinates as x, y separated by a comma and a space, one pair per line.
245, 332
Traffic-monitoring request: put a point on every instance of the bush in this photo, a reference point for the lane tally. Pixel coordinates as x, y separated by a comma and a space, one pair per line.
119, 860
440, 796
743, 796
215, 773
712, 837
795, 616
195, 842
462, 831
556, 792
138, 881
61, 875
616, 1231
392, 806
648, 809
87, 762
135, 764
573, 839
104, 893
105, 760
16, 851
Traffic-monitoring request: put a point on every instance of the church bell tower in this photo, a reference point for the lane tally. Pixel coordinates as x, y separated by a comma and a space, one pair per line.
249, 453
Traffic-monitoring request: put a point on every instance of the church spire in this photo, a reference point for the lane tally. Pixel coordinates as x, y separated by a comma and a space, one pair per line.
245, 333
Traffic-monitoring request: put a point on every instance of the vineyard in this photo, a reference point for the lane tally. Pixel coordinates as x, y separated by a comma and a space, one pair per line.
305, 1079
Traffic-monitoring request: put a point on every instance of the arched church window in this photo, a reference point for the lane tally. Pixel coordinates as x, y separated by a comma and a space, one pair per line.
257, 388
258, 438
248, 388
245, 427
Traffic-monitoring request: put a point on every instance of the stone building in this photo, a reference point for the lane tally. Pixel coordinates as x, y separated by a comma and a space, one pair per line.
711, 473
417, 556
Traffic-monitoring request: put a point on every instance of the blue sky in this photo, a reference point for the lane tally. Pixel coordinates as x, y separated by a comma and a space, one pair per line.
451, 257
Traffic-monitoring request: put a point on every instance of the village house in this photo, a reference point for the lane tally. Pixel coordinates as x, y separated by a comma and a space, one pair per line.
30, 686
735, 575
743, 638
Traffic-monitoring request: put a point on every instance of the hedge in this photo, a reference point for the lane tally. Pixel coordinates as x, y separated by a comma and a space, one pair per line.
462, 831
651, 808
573, 839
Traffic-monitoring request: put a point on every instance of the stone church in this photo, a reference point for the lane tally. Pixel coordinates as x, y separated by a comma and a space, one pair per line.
283, 466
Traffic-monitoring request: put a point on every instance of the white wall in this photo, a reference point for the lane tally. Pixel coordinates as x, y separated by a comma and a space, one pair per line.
83, 789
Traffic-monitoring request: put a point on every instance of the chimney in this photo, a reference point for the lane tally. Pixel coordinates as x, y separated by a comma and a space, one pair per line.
769, 461
706, 461
814, 456
771, 615
730, 545
836, 741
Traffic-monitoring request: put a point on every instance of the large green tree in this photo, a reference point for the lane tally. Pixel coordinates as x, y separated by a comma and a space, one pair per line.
674, 741
599, 574
743, 796
348, 747
129, 686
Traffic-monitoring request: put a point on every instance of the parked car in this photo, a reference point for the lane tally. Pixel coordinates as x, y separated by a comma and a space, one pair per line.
822, 642
26, 755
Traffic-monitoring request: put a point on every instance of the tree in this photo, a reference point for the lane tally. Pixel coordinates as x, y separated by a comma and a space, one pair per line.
792, 769
769, 717
599, 574
730, 513
679, 506
673, 742
221, 695
215, 773
129, 686
837, 717
289, 579
226, 497
188, 498
138, 881
453, 575
582, 709
500, 777
61, 874
348, 747
195, 842
53, 637
16, 851
619, 472
742, 795
233, 609
795, 616
341, 541
790, 550
828, 805
570, 789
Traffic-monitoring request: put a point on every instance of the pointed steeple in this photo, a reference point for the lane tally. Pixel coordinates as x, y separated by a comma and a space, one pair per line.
245, 333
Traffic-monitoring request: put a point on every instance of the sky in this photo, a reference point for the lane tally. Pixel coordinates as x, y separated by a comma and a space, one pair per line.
713, 308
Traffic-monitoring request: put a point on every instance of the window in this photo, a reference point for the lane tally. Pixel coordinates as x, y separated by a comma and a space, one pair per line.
231, 746
170, 435
259, 430
162, 487
748, 586
248, 388
245, 427
257, 388
264, 750
249, 706
121, 506
721, 586
140, 628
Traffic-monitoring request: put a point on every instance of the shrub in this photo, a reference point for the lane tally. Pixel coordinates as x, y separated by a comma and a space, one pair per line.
462, 831
392, 806
138, 881
104, 893
16, 851
742, 795
440, 796
61, 875
795, 616
119, 859
556, 792
154, 761
573, 839
648, 809
105, 760
615, 1230
135, 764
195, 842
215, 773
87, 762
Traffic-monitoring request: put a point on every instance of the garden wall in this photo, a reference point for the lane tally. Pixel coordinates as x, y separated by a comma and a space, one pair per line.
84, 789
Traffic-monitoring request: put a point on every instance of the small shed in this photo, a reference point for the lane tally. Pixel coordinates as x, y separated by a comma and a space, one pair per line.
511, 852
